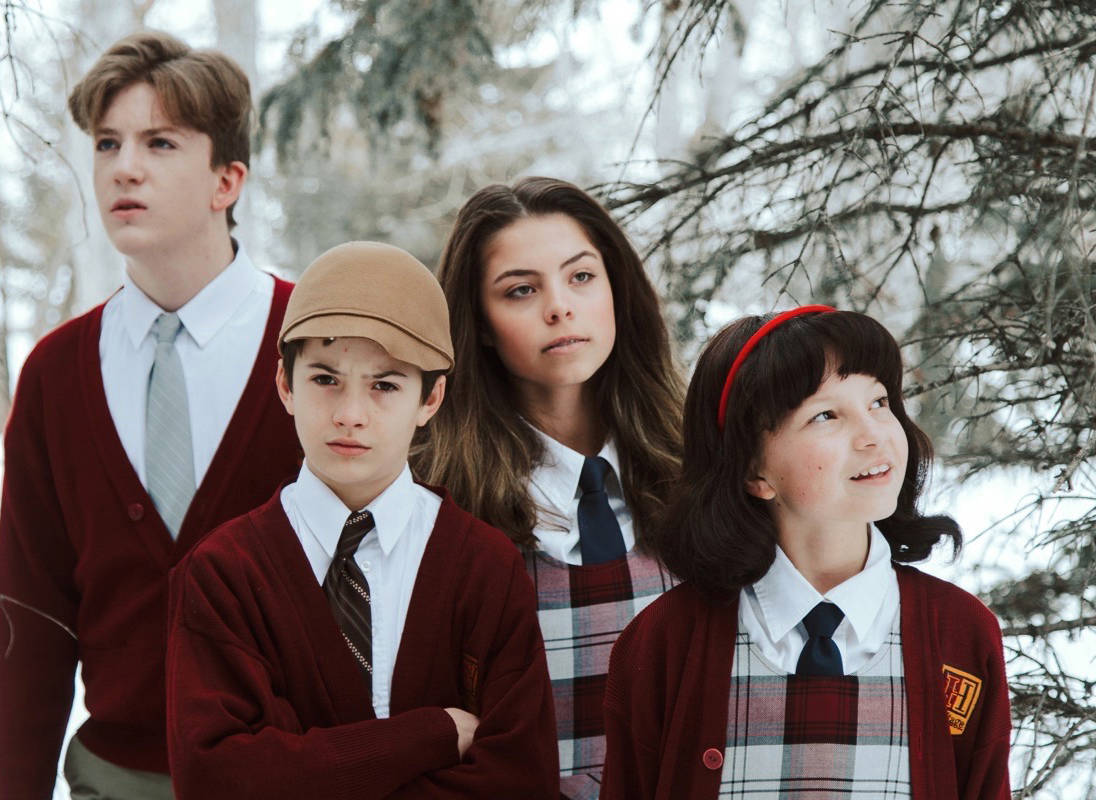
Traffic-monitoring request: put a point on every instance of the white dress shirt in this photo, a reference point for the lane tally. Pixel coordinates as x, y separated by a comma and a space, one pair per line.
554, 489
771, 611
389, 556
222, 328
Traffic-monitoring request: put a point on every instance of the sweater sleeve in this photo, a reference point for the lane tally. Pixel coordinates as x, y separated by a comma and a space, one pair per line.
514, 753
982, 762
37, 655
232, 735
631, 766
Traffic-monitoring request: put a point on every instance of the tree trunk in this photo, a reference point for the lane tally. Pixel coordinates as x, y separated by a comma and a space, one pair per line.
97, 266
237, 32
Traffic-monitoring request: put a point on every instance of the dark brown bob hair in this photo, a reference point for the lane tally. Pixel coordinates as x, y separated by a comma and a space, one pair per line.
717, 535
478, 445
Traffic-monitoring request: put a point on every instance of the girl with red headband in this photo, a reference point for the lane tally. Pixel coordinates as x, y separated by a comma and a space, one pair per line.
562, 426
802, 656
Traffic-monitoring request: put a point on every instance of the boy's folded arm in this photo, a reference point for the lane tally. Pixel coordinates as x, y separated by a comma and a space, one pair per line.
231, 732
515, 752
230, 735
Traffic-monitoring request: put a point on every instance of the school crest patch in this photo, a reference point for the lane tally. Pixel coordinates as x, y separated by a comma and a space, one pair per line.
961, 691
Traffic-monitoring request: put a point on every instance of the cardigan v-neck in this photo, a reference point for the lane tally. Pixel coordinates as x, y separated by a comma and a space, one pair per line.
666, 702
80, 540
410, 676
231, 454
264, 695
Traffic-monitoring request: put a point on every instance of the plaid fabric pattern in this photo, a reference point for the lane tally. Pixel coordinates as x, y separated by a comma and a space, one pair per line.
582, 610
814, 737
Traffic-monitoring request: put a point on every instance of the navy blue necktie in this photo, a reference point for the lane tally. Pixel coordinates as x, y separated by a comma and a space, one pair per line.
599, 536
820, 655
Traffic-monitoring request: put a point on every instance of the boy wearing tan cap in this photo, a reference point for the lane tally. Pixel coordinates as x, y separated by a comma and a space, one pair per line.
359, 635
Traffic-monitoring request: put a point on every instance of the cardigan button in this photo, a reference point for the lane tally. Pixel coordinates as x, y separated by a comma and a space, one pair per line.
712, 758
136, 511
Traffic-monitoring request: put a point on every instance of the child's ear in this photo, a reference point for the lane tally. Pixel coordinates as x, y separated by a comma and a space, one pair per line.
433, 402
760, 488
230, 182
281, 381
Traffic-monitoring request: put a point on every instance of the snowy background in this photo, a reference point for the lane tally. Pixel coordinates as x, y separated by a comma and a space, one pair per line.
569, 90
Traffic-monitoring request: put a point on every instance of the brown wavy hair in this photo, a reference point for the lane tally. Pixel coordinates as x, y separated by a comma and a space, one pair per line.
478, 446
715, 534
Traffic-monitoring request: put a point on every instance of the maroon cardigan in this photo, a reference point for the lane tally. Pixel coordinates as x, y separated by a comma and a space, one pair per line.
80, 540
265, 699
669, 684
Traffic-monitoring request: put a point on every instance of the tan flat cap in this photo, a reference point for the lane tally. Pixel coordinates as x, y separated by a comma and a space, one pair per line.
378, 292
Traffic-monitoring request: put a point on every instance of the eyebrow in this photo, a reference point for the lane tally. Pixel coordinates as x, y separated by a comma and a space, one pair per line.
520, 273
377, 376
148, 132
324, 367
834, 399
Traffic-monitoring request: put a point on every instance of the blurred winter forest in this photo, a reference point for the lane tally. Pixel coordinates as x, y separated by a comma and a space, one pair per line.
926, 162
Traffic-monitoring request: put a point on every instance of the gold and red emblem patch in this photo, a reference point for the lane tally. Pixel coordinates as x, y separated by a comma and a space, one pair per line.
961, 691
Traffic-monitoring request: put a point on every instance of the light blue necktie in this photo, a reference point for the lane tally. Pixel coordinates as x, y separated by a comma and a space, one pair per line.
169, 454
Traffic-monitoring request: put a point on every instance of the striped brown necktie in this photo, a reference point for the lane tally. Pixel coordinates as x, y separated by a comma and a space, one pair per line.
348, 592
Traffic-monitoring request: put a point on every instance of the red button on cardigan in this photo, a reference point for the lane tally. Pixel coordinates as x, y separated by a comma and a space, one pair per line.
712, 758
136, 511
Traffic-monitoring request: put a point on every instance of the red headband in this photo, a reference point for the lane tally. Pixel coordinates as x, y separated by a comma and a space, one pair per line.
751, 343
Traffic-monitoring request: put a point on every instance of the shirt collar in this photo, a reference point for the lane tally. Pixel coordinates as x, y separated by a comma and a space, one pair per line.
204, 314
868, 582
325, 514
558, 473
138, 312
785, 596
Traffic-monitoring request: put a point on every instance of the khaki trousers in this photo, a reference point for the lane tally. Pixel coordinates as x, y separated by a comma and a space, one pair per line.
93, 778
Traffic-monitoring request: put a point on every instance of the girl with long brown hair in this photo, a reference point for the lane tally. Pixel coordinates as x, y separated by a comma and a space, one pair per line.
562, 426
